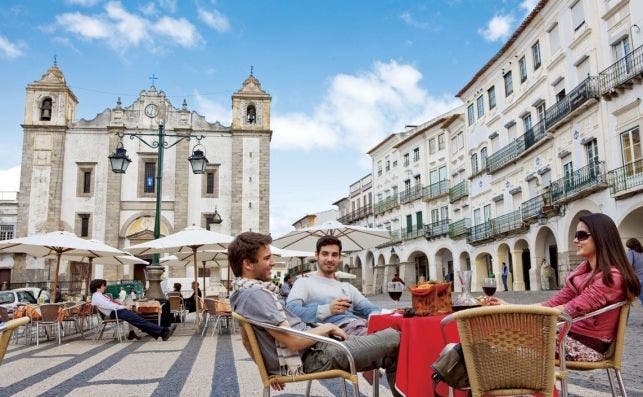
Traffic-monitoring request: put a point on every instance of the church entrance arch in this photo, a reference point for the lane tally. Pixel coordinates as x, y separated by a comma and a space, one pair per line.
421, 264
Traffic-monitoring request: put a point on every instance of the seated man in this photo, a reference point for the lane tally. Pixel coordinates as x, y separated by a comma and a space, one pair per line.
257, 298
322, 298
109, 307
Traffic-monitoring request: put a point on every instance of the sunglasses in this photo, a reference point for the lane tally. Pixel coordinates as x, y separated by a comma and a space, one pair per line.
582, 235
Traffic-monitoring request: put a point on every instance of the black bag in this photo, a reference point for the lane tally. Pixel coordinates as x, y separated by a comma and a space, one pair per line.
450, 368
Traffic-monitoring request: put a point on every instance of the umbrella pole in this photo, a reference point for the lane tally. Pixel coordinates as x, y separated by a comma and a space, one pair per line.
197, 301
203, 263
89, 276
52, 299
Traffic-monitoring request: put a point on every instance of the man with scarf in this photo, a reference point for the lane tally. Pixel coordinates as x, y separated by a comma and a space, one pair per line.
256, 298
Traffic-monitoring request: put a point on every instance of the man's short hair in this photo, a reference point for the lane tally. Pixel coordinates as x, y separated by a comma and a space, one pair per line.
246, 246
328, 240
95, 285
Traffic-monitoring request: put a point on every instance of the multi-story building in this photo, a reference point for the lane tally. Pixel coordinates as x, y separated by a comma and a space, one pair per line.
66, 181
8, 220
551, 131
310, 220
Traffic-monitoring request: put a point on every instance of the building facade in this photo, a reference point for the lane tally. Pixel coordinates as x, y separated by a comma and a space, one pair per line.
550, 131
67, 182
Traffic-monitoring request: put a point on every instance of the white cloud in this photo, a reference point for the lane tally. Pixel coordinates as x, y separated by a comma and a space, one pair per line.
122, 29
10, 179
359, 110
148, 9
213, 111
179, 30
498, 28
169, 5
215, 20
528, 5
411, 21
10, 50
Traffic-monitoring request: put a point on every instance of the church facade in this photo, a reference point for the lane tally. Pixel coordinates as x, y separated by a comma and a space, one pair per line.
67, 182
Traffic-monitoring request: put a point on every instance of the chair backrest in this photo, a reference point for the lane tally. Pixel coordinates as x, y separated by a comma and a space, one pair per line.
509, 347
176, 302
252, 345
174, 293
619, 340
49, 312
210, 305
4, 314
5, 333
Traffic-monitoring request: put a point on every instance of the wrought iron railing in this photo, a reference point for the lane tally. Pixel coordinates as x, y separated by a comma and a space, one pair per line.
517, 148
411, 194
586, 179
458, 191
353, 216
626, 177
396, 235
436, 190
622, 71
507, 223
386, 204
412, 232
436, 229
459, 228
479, 233
583, 92
533, 208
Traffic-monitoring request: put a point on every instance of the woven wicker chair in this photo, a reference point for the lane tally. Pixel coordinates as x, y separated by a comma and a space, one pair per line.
616, 356
250, 340
509, 349
104, 321
6, 329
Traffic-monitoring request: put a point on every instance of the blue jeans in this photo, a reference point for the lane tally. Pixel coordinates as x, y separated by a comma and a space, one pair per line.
139, 322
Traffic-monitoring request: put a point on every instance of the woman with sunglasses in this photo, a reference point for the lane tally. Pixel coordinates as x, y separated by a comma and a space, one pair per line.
604, 278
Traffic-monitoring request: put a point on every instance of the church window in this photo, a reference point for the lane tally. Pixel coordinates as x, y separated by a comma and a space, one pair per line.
210, 181
251, 114
45, 109
148, 181
85, 179
83, 225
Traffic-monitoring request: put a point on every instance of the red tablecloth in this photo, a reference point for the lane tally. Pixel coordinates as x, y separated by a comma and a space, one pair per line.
420, 344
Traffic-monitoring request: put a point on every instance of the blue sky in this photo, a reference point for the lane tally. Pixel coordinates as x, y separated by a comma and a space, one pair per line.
342, 74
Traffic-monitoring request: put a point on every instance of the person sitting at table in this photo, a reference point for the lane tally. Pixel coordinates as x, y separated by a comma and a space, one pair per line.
190, 303
257, 298
110, 308
604, 278
323, 298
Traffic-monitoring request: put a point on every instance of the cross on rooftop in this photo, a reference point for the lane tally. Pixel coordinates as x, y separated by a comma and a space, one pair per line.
153, 78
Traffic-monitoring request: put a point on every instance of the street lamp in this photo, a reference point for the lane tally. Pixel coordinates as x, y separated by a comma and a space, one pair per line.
120, 161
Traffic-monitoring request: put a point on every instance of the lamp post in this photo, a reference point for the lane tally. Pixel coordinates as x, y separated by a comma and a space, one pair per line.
120, 161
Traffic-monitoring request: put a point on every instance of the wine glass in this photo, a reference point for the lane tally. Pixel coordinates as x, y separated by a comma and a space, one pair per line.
489, 286
395, 289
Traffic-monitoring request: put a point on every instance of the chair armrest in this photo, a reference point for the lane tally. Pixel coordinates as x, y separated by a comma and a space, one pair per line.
13, 324
318, 338
600, 311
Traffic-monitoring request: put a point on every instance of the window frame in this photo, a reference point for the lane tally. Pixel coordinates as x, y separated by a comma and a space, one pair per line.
471, 117
509, 85
491, 93
522, 67
480, 106
441, 142
416, 154
536, 56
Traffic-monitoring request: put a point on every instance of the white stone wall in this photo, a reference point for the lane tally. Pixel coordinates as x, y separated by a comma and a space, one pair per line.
251, 167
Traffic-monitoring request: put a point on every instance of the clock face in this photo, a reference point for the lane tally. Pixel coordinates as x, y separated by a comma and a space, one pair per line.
151, 110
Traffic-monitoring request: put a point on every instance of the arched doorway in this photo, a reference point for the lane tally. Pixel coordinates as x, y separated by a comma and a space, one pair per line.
379, 275
421, 265
444, 264
483, 268
523, 267
368, 273
138, 230
357, 271
546, 249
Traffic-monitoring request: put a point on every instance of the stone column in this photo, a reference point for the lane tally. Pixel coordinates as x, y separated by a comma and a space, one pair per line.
518, 279
182, 173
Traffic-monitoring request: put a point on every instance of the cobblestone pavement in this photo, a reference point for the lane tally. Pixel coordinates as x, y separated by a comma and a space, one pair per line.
188, 365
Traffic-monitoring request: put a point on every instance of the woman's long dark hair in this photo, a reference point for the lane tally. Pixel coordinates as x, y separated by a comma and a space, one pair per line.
610, 252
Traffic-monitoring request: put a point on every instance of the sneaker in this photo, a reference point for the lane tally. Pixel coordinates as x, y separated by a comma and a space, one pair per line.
169, 331
132, 335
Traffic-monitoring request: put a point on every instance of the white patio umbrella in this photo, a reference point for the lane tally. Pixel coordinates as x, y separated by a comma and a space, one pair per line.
189, 240
58, 243
211, 259
353, 238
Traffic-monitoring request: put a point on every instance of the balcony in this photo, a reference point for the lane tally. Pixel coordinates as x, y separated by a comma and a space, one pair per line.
579, 183
566, 107
413, 232
626, 180
436, 190
386, 204
458, 191
436, 229
480, 233
537, 207
459, 228
622, 74
411, 194
355, 215
518, 148
507, 223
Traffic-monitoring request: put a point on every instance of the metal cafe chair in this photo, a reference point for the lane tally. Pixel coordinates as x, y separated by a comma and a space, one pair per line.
6, 331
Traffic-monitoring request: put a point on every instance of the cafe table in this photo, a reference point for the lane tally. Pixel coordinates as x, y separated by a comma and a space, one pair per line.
421, 342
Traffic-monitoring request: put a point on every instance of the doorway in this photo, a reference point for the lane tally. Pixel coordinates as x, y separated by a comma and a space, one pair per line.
526, 265
553, 261
5, 279
139, 272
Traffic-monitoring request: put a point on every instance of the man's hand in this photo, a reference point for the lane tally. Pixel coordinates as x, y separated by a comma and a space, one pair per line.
336, 332
339, 305
278, 386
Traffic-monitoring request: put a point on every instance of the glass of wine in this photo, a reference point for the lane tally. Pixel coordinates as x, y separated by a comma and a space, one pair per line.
489, 286
395, 289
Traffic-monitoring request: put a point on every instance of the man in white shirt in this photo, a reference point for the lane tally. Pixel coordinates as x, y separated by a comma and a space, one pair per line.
110, 308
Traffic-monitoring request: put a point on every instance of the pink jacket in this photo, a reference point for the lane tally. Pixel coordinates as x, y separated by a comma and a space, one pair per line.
583, 294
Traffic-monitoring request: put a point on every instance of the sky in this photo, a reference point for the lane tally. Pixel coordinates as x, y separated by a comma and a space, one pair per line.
343, 75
